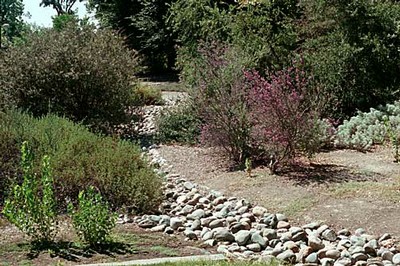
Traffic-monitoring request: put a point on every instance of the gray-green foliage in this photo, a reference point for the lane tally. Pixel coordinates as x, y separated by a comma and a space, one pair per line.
92, 218
31, 207
367, 129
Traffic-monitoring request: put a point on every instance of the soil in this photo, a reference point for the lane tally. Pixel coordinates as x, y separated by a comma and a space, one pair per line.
130, 243
342, 188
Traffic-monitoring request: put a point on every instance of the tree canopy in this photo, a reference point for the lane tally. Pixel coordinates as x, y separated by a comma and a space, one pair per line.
11, 12
61, 6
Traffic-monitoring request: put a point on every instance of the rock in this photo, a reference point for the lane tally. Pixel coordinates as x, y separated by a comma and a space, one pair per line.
258, 239
271, 221
344, 232
329, 235
218, 200
158, 228
210, 242
384, 237
312, 226
236, 227
359, 256
387, 255
332, 254
255, 247
315, 243
312, 258
287, 256
281, 217
396, 259
300, 236
361, 263
190, 234
259, 211
197, 214
358, 241
242, 237
168, 230
222, 249
283, 225
223, 234
327, 262
208, 235
175, 223
344, 262
188, 185
147, 223
216, 223
243, 209
249, 216
165, 219
206, 221
359, 232
270, 234
291, 245
196, 225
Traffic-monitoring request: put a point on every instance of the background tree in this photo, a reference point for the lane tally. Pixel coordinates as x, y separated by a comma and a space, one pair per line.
61, 6
11, 12
143, 22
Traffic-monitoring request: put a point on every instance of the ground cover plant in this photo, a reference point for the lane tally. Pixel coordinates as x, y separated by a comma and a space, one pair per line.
79, 159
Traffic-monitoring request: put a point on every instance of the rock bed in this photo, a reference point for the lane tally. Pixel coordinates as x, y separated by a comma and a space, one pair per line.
242, 231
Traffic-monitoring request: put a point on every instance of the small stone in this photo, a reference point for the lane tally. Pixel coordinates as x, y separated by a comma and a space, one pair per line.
387, 255
287, 256
283, 225
332, 254
158, 228
258, 239
210, 242
197, 214
255, 247
147, 223
271, 221
329, 235
312, 226
270, 234
281, 217
196, 225
315, 243
188, 185
222, 249
168, 230
312, 258
361, 263
242, 237
359, 232
175, 223
216, 223
321, 229
219, 200
344, 232
190, 234
208, 235
396, 259
358, 240
327, 262
359, 256
291, 245
384, 237
223, 234
259, 211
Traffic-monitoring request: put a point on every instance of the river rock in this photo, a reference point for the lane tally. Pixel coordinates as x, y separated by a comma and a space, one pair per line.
223, 235
242, 237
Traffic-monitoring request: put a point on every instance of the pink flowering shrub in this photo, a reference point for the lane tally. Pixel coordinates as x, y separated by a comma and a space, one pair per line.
284, 115
271, 121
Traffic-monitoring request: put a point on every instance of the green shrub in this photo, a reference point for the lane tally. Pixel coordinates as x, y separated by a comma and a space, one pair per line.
376, 127
82, 73
31, 207
179, 124
92, 219
147, 95
81, 159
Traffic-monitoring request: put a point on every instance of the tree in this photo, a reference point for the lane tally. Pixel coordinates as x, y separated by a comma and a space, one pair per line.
11, 12
61, 6
143, 22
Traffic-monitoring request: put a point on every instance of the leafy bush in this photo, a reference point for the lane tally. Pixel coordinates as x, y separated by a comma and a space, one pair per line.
147, 95
179, 124
81, 159
82, 73
92, 219
284, 115
31, 207
373, 128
